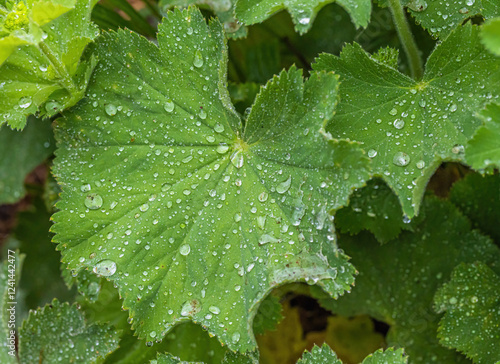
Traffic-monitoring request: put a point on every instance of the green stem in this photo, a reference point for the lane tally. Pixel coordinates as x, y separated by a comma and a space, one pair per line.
407, 40
66, 80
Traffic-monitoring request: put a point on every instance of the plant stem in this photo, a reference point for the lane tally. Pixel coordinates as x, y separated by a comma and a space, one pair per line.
407, 40
66, 80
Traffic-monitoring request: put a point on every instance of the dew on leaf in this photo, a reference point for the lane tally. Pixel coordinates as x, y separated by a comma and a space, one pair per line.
24, 102
237, 217
144, 207
372, 153
458, 149
190, 308
110, 109
284, 186
105, 268
169, 106
219, 128
198, 59
184, 249
85, 187
93, 201
202, 114
420, 164
222, 148
401, 159
237, 159
214, 309
399, 123
417, 5
393, 111
263, 196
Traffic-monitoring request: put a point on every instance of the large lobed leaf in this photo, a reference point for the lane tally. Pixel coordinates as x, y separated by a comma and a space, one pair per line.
302, 12
45, 75
409, 127
191, 215
398, 280
471, 302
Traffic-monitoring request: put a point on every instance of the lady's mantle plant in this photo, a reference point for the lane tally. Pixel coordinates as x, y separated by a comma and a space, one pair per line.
181, 207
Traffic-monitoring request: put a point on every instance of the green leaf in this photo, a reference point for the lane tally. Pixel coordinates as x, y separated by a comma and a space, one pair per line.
20, 153
325, 354
58, 333
490, 35
374, 208
478, 197
223, 9
46, 76
409, 127
268, 315
169, 359
483, 150
303, 13
166, 195
397, 281
9, 278
471, 302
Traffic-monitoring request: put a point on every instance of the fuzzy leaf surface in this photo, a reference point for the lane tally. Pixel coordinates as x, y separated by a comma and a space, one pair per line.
374, 208
398, 280
46, 76
478, 197
440, 18
410, 127
302, 12
20, 152
490, 35
58, 333
471, 302
483, 150
193, 218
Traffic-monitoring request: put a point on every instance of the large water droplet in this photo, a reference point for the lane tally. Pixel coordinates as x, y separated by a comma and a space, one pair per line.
24, 102
393, 111
110, 109
284, 186
420, 164
93, 201
263, 196
219, 128
184, 249
202, 114
169, 106
417, 5
222, 148
399, 124
214, 309
372, 153
105, 268
237, 159
198, 59
401, 159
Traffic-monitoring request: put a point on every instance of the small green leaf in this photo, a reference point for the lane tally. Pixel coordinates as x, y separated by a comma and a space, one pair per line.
197, 219
483, 150
268, 315
46, 75
302, 12
409, 127
325, 354
490, 35
471, 302
397, 281
10, 271
20, 153
58, 333
478, 197
375, 208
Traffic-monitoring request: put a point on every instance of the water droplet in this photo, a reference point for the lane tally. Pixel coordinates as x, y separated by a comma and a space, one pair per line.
24, 102
263, 196
144, 207
189, 31
219, 128
453, 107
110, 109
401, 159
202, 114
105, 268
417, 5
420, 164
470, 2
222, 148
198, 59
165, 187
261, 221
372, 153
152, 334
236, 337
458, 149
399, 124
304, 21
284, 186
266, 238
93, 201
214, 309
453, 300
422, 103
169, 106
85, 188
237, 217
406, 219
184, 249
393, 111
190, 308
237, 159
